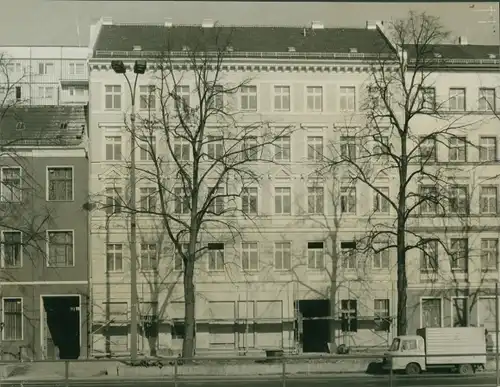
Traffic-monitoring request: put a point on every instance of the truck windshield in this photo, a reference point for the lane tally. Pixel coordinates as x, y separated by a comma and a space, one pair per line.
395, 345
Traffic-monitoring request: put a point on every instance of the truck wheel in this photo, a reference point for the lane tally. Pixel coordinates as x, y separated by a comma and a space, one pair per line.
412, 369
465, 369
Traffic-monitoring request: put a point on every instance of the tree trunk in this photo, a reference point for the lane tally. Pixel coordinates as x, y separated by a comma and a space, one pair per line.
402, 282
188, 343
333, 292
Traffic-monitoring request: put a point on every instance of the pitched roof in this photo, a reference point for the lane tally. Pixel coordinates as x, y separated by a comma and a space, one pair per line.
43, 125
158, 38
462, 51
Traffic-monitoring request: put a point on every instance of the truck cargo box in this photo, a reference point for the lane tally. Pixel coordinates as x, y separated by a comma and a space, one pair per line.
463, 342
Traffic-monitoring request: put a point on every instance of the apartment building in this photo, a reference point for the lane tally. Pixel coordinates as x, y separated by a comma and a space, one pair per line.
44, 228
275, 285
45, 75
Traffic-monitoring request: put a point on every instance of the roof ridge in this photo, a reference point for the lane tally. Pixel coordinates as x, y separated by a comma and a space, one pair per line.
298, 26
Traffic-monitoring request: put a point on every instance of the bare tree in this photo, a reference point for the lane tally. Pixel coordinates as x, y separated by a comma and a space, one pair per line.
205, 155
394, 159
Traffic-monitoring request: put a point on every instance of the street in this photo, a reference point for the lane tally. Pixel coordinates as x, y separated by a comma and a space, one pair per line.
352, 381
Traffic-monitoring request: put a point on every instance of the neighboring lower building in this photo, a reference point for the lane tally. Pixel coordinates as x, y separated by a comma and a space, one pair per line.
44, 228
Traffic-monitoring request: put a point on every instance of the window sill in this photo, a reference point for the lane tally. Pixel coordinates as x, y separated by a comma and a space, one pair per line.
61, 201
114, 272
60, 266
11, 267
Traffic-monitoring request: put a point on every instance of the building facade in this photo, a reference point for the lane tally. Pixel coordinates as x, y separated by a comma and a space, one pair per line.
44, 229
45, 75
291, 279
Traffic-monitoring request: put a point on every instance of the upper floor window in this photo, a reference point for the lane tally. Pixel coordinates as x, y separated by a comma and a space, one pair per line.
459, 254
147, 147
148, 199
60, 183
380, 203
76, 91
45, 68
114, 257
315, 255
428, 149
215, 147
488, 199
348, 200
456, 99
217, 201
457, 149
488, 149
487, 99
11, 188
348, 148
113, 148
282, 98
315, 200
429, 257
250, 150
249, 256
114, 199
459, 199
314, 148
248, 96
147, 97
216, 97
12, 317
61, 251
314, 98
14, 67
215, 256
347, 98
46, 92
283, 200
182, 203
113, 97
250, 200
12, 249
427, 98
282, 255
76, 68
149, 257
282, 148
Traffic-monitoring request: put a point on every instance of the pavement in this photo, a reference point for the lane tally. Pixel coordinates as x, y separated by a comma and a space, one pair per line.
373, 381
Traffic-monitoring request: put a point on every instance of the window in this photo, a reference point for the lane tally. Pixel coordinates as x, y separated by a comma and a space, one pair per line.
216, 256
178, 330
315, 255
347, 200
489, 254
147, 199
147, 148
217, 97
382, 314
488, 200
113, 200
348, 253
428, 149
315, 148
114, 257
182, 204
76, 68
18, 93
249, 256
314, 98
76, 91
45, 68
282, 149
459, 199
12, 249
457, 99
315, 200
183, 97
459, 311
11, 185
431, 312
216, 205
248, 98
60, 249
60, 183
282, 201
147, 97
459, 254
376, 97
12, 319
113, 148
428, 98
282, 255
347, 98
113, 97
381, 257
282, 98
429, 257
214, 147
488, 149
178, 260
250, 149
429, 199
380, 204
182, 150
457, 149
149, 257
46, 92
487, 99
348, 148
349, 315
381, 149
14, 67
250, 200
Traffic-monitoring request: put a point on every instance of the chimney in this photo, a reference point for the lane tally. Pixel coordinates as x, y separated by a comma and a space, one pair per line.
137, 48
207, 23
317, 25
107, 21
462, 40
372, 24
168, 22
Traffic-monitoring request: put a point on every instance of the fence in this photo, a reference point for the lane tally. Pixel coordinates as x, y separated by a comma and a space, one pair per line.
276, 368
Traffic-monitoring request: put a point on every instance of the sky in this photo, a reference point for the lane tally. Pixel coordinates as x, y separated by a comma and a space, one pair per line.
60, 22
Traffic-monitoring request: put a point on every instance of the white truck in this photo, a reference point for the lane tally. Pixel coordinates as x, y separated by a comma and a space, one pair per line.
434, 347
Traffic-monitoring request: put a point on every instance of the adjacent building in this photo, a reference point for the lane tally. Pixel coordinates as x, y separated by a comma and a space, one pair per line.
44, 230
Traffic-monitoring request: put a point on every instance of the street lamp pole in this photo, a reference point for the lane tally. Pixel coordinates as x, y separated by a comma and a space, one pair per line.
139, 68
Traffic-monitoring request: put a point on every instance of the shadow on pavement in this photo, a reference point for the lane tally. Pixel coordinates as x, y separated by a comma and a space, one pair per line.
375, 368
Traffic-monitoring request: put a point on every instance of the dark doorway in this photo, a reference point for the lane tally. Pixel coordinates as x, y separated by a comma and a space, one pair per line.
63, 322
315, 333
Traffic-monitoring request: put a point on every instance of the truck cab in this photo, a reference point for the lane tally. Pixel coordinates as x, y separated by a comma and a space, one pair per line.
406, 353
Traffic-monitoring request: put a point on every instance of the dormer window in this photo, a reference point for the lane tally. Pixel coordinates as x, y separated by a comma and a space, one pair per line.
20, 125
492, 56
437, 55
64, 125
